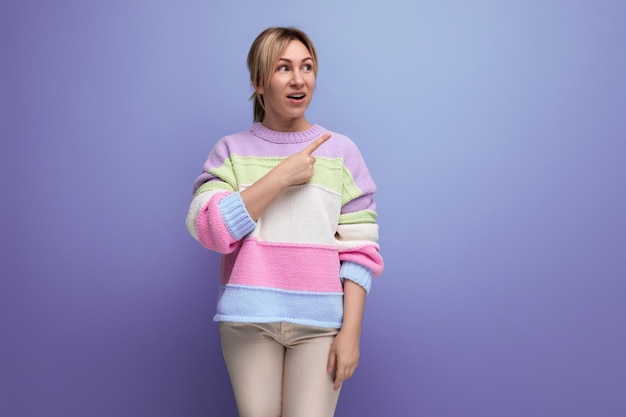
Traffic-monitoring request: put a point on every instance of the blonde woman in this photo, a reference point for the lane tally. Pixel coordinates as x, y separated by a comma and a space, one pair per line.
290, 207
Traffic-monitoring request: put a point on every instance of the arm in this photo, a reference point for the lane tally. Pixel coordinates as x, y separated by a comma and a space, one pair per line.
345, 352
357, 236
219, 216
297, 169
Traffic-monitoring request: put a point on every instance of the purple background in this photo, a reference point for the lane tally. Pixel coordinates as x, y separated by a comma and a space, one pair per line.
495, 130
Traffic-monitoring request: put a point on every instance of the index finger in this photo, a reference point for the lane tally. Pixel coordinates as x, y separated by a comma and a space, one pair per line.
317, 143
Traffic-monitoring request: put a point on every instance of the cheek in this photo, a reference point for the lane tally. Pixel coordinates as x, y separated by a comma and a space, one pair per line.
273, 84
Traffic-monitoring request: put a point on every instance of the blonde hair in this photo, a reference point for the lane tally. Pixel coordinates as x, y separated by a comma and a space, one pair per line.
263, 56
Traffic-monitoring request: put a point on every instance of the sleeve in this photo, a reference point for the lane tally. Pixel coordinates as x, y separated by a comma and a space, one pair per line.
217, 217
357, 232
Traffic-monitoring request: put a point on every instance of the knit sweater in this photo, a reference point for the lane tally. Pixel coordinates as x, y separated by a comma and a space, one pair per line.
290, 264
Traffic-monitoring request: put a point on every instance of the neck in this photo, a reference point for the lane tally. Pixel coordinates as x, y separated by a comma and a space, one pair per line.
287, 125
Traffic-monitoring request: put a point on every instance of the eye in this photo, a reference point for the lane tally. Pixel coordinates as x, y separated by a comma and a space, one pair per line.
307, 67
282, 68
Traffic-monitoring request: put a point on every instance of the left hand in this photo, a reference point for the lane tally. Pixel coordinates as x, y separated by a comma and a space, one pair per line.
343, 357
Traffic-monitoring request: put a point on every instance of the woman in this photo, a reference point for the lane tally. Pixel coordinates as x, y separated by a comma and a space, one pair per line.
290, 206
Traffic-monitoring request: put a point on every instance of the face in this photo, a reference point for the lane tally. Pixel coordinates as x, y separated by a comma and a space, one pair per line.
290, 89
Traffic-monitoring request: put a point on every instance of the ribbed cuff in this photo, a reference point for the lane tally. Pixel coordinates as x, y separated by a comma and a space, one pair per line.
357, 273
235, 215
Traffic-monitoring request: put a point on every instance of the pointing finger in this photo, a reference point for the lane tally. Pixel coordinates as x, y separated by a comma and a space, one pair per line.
316, 143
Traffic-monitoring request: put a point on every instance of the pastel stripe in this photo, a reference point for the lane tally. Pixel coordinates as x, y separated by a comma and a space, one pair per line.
211, 229
197, 203
247, 143
368, 256
364, 202
262, 305
235, 216
212, 186
363, 216
301, 214
328, 173
262, 132
357, 273
290, 267
339, 152
351, 236
225, 173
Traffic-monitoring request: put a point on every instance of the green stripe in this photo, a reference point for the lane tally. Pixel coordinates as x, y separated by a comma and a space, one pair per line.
212, 185
363, 216
350, 190
329, 173
226, 173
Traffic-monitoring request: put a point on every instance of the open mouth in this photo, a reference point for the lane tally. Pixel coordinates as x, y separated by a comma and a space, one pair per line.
296, 96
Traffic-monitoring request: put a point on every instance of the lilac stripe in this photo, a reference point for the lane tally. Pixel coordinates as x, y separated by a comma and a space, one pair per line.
247, 143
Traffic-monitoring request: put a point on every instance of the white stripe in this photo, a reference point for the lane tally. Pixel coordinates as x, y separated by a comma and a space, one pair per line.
196, 205
301, 214
361, 231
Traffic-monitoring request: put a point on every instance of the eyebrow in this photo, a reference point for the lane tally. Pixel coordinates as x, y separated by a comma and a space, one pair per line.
289, 60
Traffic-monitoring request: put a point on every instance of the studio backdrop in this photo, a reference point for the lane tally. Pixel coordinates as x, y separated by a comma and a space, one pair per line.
494, 130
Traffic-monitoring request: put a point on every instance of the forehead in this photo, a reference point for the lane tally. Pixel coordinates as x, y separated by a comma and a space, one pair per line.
295, 51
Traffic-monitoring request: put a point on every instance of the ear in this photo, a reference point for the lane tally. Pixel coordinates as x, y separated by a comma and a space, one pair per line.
260, 90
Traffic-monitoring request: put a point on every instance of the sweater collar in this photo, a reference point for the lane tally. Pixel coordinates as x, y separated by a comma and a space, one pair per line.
264, 133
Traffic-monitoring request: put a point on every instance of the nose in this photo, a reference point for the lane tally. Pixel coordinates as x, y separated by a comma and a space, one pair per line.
297, 79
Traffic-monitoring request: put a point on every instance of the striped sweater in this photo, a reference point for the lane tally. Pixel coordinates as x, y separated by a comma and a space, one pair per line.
289, 265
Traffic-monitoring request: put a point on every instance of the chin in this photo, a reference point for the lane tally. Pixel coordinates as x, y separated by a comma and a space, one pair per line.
295, 116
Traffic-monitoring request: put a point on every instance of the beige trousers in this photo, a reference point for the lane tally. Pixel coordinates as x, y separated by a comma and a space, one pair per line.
279, 369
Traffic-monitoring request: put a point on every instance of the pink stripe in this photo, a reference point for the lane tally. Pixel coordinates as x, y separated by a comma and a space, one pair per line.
292, 267
211, 229
368, 256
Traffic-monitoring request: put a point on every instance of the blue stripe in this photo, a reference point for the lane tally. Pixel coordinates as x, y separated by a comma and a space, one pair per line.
235, 215
265, 305
357, 273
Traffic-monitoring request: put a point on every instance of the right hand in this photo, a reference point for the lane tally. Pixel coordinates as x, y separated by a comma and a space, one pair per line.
298, 168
